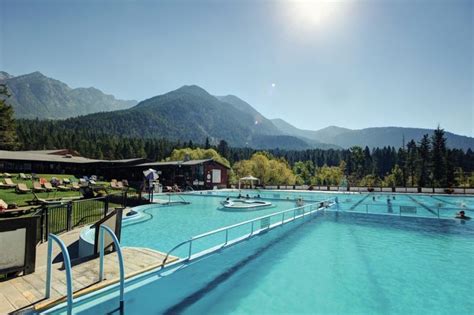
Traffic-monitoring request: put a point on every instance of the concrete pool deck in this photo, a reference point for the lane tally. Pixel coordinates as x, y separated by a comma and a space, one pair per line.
26, 293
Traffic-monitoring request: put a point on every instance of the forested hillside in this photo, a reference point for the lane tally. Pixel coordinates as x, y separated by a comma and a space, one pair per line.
35, 95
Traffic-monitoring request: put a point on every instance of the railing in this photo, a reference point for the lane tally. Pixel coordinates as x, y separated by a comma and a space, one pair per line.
63, 217
295, 213
67, 265
404, 210
177, 195
120, 258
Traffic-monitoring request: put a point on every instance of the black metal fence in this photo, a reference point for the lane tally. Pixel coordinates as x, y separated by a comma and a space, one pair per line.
128, 199
58, 218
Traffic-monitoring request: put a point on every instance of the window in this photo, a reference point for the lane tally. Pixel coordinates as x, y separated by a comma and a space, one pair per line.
216, 176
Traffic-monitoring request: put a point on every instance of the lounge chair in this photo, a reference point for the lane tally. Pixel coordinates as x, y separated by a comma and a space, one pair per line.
8, 184
75, 186
48, 187
41, 201
63, 188
24, 177
8, 175
125, 182
113, 184
119, 185
3, 206
22, 189
66, 181
37, 187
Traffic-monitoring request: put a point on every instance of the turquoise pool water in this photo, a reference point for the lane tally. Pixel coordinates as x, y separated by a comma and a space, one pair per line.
166, 226
169, 225
349, 264
336, 263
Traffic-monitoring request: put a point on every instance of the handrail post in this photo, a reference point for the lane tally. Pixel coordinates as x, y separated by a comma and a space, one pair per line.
67, 265
226, 236
190, 248
251, 229
120, 258
282, 218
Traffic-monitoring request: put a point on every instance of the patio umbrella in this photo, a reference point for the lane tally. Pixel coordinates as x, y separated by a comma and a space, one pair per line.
151, 174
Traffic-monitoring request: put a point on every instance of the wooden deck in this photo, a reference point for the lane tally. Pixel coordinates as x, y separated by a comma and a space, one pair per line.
27, 292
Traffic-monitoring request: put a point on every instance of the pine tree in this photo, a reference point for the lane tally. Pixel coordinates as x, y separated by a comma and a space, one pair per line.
423, 161
412, 156
438, 143
8, 136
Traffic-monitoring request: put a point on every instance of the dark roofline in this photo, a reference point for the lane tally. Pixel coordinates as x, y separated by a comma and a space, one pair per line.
183, 163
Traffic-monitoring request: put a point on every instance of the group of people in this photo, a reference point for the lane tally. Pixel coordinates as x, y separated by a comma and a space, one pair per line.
247, 196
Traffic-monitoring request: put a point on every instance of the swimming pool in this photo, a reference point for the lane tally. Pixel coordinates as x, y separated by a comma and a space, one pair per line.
341, 262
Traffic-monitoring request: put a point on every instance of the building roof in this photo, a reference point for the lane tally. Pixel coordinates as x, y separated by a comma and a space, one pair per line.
43, 157
53, 156
185, 163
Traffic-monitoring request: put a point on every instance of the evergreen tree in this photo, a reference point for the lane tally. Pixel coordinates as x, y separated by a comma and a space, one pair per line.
412, 156
438, 143
8, 136
423, 161
223, 149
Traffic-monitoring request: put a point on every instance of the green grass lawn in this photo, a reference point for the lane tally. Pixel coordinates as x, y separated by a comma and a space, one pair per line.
10, 196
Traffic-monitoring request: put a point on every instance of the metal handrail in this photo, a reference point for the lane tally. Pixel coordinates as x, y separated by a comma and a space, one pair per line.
67, 264
397, 210
178, 195
324, 203
120, 258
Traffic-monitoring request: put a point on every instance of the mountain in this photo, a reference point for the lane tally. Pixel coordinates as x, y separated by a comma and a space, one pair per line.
371, 137
4, 75
264, 124
188, 113
36, 96
393, 136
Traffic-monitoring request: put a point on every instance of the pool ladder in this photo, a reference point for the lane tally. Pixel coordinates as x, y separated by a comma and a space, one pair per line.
67, 264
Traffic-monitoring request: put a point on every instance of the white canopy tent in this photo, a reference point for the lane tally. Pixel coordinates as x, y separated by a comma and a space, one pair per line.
250, 179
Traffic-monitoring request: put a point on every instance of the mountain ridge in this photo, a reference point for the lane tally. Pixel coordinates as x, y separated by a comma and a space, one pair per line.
373, 136
35, 95
190, 113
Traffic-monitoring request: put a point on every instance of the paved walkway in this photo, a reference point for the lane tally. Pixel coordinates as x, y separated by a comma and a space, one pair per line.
27, 291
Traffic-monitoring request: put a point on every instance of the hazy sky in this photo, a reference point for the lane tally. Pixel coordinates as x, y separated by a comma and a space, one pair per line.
351, 63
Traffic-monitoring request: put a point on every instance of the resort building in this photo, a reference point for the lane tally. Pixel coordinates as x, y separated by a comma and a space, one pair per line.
200, 174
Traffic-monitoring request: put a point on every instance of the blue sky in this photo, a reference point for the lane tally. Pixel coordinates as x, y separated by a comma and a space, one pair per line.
351, 63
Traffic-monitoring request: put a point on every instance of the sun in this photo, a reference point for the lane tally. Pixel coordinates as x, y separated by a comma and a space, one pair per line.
311, 14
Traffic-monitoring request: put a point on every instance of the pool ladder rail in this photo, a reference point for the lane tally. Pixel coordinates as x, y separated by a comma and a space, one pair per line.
295, 213
67, 264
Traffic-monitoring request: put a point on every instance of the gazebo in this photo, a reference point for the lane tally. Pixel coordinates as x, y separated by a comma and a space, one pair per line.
250, 179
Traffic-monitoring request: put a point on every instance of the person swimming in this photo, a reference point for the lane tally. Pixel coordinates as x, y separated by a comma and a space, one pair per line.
462, 215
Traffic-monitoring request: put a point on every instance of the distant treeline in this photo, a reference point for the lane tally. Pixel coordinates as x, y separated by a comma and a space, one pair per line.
426, 163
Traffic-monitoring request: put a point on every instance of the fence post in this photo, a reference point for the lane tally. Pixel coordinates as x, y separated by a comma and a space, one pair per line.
46, 222
42, 224
106, 206
124, 198
69, 215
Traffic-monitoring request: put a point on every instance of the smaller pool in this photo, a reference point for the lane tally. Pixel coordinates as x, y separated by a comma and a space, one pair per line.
244, 204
